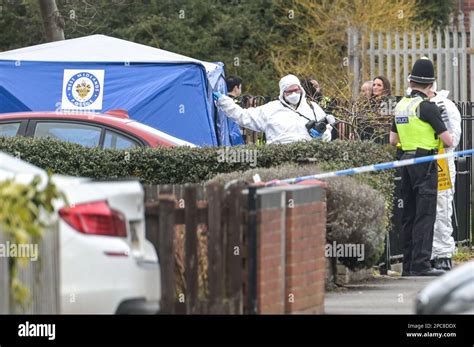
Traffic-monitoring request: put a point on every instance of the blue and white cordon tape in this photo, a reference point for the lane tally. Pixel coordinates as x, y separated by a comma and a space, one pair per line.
369, 168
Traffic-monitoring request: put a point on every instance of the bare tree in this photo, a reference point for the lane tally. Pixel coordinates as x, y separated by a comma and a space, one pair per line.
52, 21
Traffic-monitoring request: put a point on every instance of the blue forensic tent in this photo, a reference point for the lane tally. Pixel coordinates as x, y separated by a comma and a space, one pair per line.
167, 91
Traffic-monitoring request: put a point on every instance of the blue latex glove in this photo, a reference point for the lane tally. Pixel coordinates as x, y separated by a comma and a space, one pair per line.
314, 133
216, 95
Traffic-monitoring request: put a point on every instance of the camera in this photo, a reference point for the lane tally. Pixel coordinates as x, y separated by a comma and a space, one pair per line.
316, 129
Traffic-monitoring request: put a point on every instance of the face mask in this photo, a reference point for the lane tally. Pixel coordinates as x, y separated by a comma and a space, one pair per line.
293, 98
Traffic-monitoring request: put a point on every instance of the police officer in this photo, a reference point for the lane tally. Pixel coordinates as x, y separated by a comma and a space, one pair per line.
419, 129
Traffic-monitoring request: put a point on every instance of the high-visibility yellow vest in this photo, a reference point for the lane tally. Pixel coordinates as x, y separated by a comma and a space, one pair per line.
413, 132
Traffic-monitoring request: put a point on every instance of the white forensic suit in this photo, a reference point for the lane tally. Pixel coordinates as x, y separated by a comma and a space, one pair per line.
443, 242
281, 122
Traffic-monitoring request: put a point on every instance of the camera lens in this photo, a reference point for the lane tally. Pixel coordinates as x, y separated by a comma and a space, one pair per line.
320, 127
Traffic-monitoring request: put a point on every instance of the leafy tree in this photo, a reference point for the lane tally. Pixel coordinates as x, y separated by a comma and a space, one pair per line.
435, 13
318, 44
253, 38
20, 24
237, 33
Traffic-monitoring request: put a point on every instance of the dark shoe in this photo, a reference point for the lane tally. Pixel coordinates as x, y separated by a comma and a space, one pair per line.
437, 263
442, 264
431, 272
446, 264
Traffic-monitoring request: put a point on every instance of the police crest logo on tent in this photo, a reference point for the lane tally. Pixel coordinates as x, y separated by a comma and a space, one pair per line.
82, 89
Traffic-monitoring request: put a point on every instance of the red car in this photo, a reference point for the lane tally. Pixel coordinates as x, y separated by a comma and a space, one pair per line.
112, 129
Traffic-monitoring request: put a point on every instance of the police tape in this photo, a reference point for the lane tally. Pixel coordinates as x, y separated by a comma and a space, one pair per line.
370, 168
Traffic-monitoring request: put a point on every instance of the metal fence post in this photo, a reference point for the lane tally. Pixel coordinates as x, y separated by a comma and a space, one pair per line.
461, 224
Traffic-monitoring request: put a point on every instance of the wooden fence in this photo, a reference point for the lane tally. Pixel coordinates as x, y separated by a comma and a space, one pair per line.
212, 220
40, 277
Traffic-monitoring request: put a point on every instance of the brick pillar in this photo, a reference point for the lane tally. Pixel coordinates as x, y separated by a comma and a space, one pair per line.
306, 239
270, 288
291, 226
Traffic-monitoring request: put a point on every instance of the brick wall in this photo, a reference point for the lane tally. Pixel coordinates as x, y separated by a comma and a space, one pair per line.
270, 278
291, 238
466, 6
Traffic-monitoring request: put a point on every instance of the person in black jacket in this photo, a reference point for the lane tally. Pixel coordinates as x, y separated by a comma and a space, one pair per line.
234, 86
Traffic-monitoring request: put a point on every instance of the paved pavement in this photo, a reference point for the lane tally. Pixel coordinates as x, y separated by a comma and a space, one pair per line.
379, 295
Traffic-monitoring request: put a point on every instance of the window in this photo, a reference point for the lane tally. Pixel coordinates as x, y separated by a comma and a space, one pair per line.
117, 141
9, 129
85, 135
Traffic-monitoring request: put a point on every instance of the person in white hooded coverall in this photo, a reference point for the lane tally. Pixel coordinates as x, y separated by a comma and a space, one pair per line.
283, 120
443, 242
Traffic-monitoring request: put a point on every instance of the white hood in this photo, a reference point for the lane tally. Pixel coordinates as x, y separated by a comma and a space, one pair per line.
434, 88
287, 81
443, 93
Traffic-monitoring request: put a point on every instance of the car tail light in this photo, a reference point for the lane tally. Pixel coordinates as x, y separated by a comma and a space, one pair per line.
96, 218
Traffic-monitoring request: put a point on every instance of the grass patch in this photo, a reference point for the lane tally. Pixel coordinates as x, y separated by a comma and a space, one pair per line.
463, 254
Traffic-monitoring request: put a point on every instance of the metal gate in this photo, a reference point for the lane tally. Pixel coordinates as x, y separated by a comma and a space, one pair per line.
463, 195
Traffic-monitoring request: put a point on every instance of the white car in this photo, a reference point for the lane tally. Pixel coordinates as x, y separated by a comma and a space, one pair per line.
106, 264
452, 293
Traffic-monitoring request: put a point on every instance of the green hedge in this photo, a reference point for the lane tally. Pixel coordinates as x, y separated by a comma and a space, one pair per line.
183, 164
192, 165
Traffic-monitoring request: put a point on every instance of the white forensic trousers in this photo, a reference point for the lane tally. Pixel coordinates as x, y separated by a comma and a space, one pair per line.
443, 241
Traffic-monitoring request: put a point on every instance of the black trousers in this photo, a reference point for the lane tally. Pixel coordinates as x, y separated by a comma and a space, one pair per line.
419, 194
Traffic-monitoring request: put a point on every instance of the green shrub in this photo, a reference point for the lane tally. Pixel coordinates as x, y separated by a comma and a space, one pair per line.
356, 213
183, 164
23, 213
